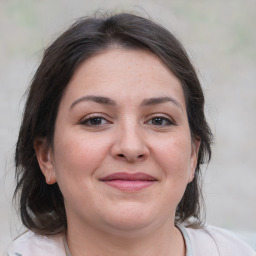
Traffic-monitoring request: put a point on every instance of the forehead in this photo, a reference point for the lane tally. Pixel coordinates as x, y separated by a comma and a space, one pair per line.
124, 75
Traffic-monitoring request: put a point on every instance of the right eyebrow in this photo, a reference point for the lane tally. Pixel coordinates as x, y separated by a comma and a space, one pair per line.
97, 99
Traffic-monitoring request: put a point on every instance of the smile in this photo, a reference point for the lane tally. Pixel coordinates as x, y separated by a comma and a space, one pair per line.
129, 181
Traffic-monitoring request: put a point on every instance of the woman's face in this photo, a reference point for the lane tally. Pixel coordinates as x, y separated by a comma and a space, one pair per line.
122, 153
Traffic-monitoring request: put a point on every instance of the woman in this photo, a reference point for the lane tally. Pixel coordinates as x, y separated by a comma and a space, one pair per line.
111, 144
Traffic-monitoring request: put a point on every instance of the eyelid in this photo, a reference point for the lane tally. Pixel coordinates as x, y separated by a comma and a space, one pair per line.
161, 115
94, 115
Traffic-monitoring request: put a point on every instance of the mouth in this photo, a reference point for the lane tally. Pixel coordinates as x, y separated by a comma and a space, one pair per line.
129, 181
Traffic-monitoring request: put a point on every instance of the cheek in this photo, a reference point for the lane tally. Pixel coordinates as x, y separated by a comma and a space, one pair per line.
77, 156
173, 156
75, 162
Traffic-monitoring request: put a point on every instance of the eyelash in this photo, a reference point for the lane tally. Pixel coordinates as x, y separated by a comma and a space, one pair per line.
91, 118
168, 121
89, 121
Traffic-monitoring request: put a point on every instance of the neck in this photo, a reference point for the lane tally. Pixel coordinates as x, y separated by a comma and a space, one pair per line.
163, 241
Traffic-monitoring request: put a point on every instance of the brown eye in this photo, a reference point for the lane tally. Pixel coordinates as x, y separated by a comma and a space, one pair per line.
160, 121
94, 121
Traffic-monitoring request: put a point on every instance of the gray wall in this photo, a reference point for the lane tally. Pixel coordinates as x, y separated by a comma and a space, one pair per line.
220, 38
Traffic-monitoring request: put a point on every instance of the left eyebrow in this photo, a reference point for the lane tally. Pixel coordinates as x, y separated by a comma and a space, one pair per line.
160, 100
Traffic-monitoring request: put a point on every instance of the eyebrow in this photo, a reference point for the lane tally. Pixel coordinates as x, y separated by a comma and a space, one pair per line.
110, 102
159, 100
97, 99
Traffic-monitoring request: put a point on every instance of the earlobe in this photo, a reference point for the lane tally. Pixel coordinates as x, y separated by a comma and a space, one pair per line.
194, 158
45, 159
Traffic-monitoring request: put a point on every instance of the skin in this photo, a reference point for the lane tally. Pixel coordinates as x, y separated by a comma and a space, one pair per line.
95, 139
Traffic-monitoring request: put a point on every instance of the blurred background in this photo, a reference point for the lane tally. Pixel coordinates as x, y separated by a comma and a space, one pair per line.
219, 36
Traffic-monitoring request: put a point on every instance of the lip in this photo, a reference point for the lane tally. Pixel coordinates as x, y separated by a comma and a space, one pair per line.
129, 181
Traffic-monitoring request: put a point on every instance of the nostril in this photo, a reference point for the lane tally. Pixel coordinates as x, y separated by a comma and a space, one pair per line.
140, 156
120, 155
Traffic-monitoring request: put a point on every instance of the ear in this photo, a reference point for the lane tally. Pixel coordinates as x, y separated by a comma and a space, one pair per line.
45, 159
193, 158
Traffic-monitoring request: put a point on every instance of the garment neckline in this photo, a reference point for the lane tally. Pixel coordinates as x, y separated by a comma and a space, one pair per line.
68, 253
186, 239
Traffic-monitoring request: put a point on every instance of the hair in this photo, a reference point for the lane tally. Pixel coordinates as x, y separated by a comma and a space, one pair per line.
41, 206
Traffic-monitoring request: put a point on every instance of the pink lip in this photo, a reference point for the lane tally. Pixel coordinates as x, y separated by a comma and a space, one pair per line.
129, 181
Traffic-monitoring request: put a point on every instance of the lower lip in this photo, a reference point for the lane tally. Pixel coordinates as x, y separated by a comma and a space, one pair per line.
129, 185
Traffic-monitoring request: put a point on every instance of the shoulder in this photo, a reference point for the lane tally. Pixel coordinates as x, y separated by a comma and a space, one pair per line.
213, 241
31, 244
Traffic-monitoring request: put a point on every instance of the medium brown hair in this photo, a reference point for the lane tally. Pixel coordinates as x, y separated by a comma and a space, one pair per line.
41, 206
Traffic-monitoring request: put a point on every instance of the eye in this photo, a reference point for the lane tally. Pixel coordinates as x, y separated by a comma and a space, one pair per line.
160, 121
94, 121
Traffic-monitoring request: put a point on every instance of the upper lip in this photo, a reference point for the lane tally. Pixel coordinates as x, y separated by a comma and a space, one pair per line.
138, 176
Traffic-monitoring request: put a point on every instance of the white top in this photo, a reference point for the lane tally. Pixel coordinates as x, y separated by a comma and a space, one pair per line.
209, 241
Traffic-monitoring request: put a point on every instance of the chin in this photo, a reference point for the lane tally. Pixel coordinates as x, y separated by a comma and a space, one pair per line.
130, 218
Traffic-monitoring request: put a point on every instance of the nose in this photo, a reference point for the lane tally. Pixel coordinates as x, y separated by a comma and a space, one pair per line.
130, 144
